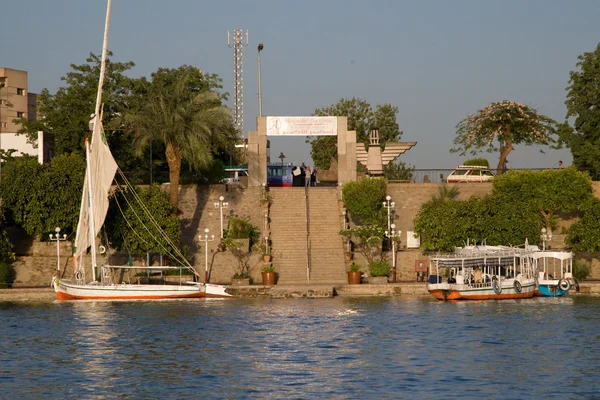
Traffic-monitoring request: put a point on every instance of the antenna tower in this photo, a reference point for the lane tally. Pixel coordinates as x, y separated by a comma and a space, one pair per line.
238, 43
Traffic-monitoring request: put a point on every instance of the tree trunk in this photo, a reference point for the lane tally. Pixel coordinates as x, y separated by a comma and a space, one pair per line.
507, 148
174, 157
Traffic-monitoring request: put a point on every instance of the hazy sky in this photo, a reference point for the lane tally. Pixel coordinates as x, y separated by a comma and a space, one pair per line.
438, 61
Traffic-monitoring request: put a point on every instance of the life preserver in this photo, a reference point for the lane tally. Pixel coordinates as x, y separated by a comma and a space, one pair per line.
101, 249
78, 275
496, 285
564, 284
517, 286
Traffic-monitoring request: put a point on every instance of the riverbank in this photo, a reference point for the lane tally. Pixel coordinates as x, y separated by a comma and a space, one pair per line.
46, 294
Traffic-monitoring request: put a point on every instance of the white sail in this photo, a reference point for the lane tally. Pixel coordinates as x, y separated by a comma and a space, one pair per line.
101, 171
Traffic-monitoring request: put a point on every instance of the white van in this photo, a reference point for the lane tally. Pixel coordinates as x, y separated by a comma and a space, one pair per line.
233, 175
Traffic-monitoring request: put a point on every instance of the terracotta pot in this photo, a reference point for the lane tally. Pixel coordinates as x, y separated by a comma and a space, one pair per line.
267, 258
354, 277
268, 278
348, 256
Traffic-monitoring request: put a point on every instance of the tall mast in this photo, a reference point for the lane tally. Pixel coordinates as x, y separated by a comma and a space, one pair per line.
97, 122
103, 61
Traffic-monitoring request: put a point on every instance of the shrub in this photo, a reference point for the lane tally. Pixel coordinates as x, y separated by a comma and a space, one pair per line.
581, 269
363, 199
379, 268
354, 267
481, 162
242, 228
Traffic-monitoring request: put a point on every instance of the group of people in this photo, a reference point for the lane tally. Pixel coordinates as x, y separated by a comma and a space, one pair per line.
304, 176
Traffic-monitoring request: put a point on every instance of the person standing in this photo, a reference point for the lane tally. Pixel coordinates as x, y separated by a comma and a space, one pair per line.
313, 177
302, 173
307, 175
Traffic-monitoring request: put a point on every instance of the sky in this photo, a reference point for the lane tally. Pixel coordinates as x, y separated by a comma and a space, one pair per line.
436, 60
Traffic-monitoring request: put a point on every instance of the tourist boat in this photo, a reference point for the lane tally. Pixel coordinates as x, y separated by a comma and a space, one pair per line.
554, 273
482, 273
100, 171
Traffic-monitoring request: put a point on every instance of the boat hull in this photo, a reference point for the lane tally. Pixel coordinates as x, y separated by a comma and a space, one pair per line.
72, 291
544, 290
444, 291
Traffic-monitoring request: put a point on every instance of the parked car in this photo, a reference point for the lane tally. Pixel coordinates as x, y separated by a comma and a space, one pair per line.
470, 173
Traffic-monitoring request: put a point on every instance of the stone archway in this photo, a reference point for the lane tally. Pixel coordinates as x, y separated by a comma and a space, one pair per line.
300, 126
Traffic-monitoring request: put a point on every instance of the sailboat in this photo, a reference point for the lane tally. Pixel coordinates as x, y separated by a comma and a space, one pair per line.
100, 172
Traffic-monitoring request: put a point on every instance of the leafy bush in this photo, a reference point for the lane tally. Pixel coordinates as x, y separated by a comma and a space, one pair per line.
363, 199
481, 162
242, 228
379, 268
130, 228
581, 269
584, 235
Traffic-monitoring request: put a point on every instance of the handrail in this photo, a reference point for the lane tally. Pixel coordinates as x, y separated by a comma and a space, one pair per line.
308, 265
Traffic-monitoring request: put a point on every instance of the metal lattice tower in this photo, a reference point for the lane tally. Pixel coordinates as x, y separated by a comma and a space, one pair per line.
238, 43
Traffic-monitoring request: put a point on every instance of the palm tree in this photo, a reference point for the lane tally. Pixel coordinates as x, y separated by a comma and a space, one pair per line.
187, 117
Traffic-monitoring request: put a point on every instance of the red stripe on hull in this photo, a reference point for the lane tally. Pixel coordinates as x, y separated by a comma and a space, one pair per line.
65, 296
456, 295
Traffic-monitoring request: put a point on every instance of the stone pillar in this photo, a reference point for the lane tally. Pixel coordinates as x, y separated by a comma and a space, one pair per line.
257, 153
351, 156
342, 133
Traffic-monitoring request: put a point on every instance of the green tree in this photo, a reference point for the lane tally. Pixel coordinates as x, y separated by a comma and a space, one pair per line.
142, 221
398, 171
361, 118
501, 125
182, 111
66, 114
7, 256
363, 200
583, 104
42, 197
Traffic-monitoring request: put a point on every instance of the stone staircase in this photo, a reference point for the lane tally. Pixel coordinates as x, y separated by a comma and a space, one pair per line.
327, 263
288, 234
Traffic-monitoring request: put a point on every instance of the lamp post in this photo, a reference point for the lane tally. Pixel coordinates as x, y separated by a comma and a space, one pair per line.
260, 47
389, 205
205, 239
393, 235
345, 217
281, 157
546, 237
2, 85
221, 204
58, 239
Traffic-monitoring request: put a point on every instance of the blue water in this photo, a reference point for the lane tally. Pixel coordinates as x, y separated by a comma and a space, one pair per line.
375, 348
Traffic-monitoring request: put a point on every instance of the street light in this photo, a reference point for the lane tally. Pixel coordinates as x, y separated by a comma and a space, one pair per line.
281, 157
205, 239
393, 235
221, 204
58, 240
546, 237
389, 205
260, 47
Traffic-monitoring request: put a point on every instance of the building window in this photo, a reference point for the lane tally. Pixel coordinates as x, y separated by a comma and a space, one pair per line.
3, 124
20, 92
20, 114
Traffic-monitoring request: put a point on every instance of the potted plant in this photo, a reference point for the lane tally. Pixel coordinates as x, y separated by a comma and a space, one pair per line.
265, 251
241, 279
268, 275
379, 271
354, 274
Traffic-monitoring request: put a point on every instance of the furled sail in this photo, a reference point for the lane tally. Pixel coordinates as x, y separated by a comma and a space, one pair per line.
99, 174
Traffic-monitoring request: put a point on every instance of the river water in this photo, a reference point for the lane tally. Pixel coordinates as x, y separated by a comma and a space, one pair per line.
341, 348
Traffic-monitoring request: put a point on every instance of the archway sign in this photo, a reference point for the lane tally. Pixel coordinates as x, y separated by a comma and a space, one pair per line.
300, 126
